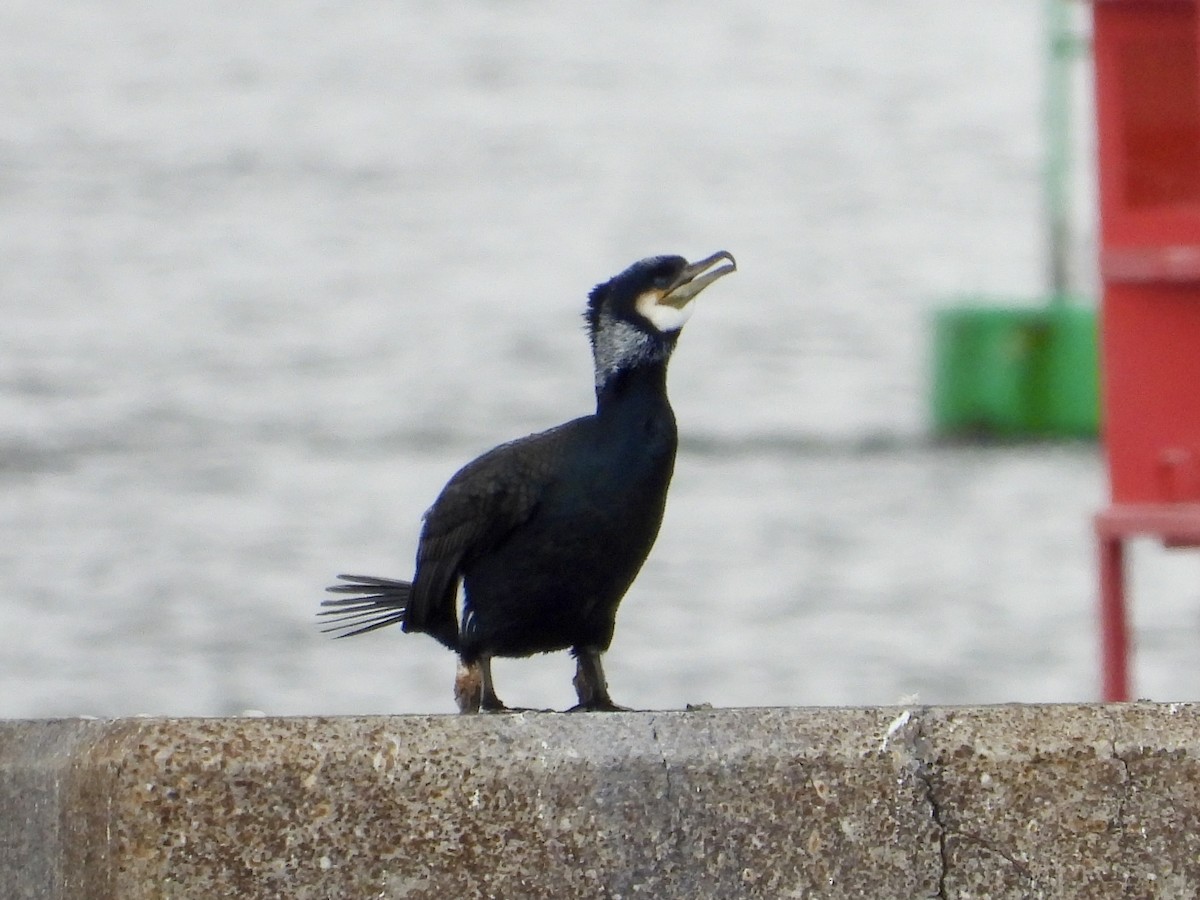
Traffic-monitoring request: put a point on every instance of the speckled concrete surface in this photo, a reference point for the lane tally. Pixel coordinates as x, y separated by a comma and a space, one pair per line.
1007, 801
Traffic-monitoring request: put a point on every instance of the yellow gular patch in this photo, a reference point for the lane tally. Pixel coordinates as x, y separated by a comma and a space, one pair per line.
657, 309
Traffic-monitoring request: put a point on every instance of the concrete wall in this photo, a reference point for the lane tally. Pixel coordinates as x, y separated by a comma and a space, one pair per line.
1006, 801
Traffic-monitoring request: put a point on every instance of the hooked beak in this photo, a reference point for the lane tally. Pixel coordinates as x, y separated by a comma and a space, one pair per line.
695, 277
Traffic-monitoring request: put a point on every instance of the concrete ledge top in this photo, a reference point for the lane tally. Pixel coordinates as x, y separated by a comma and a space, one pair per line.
1003, 801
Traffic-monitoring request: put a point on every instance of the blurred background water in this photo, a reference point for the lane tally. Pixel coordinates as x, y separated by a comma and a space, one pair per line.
270, 273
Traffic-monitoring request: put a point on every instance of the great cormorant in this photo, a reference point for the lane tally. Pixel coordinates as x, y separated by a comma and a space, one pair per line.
547, 532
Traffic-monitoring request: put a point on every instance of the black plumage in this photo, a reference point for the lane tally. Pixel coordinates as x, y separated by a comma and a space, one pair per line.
546, 533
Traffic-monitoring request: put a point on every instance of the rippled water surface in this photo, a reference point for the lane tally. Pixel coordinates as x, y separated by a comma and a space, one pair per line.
272, 272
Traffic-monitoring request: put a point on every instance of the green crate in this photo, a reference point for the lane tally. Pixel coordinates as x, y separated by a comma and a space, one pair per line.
1013, 372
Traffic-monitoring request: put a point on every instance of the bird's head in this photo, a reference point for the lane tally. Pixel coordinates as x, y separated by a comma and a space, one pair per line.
656, 293
636, 316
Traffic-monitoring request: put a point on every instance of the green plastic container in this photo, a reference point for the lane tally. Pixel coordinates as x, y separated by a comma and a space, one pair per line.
1016, 372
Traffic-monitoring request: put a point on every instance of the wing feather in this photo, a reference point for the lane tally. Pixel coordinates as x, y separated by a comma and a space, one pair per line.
478, 508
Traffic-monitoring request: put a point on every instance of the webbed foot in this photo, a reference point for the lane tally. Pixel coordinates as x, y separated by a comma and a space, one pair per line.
603, 704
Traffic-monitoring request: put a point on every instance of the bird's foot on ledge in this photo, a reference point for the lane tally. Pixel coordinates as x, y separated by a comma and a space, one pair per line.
603, 705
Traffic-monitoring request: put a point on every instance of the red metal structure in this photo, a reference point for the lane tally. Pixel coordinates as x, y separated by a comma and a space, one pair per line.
1147, 56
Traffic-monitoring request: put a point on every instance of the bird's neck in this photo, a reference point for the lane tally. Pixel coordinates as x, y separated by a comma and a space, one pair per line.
643, 385
622, 351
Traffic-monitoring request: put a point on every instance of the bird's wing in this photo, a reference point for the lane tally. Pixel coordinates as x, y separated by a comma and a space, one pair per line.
477, 509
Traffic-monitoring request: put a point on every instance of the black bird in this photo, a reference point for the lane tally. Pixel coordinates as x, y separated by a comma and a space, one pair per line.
547, 532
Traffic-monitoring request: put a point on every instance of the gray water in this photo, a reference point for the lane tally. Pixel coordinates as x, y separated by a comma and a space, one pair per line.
272, 272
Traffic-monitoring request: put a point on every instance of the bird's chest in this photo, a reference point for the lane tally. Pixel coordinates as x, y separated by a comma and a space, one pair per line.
619, 483
589, 531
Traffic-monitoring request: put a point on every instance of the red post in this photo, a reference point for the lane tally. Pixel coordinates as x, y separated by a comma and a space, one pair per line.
1114, 632
1147, 57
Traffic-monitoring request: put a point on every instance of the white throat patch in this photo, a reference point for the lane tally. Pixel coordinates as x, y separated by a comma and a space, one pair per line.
662, 316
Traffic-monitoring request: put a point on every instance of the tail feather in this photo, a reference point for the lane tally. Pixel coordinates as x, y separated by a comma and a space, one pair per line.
378, 602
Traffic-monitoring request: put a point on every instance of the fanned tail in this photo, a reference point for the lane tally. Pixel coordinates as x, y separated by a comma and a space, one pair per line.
377, 603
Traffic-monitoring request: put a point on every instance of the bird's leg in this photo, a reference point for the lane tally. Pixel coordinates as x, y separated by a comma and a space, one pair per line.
473, 688
489, 702
468, 686
590, 685
474, 691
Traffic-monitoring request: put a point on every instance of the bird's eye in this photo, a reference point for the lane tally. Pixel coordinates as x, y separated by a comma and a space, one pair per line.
664, 277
